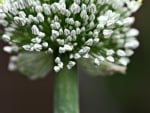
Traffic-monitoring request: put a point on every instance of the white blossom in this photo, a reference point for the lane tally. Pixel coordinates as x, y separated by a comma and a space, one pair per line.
77, 28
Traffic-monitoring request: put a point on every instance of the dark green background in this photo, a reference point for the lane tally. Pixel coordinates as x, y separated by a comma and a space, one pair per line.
128, 93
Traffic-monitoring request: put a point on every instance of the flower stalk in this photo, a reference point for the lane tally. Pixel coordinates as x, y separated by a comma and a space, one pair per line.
66, 91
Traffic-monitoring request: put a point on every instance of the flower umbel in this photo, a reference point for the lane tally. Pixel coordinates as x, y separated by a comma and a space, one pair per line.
94, 33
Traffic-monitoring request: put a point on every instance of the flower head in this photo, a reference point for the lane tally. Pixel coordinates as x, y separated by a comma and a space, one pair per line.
98, 31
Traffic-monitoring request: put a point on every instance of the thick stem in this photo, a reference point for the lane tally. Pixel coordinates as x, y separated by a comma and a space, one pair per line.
66, 91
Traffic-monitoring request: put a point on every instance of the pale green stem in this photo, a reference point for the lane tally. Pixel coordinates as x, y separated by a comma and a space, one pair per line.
66, 91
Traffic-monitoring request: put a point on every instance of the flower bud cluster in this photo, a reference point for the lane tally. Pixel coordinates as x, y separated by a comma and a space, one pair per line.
99, 30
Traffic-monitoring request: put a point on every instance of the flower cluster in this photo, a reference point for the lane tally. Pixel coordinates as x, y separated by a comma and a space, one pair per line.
96, 30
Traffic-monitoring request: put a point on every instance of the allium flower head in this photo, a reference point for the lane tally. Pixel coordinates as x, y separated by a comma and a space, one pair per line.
94, 33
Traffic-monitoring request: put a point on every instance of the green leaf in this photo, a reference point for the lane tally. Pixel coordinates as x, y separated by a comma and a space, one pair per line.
105, 68
34, 65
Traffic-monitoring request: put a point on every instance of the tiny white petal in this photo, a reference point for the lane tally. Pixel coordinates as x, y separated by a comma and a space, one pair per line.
97, 61
132, 33
124, 61
37, 47
107, 33
56, 68
71, 64
35, 30
40, 17
7, 49
57, 60
121, 52
129, 52
45, 44
110, 52
75, 8
110, 58
6, 37
26, 47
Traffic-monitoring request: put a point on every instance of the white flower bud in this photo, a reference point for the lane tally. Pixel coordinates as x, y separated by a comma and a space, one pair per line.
121, 53
84, 50
22, 14
61, 65
36, 40
40, 17
67, 13
68, 47
133, 5
45, 44
131, 43
26, 47
83, 6
7, 49
35, 30
129, 52
57, 60
124, 61
71, 64
77, 56
128, 21
38, 8
19, 21
61, 31
132, 33
41, 34
110, 59
37, 47
110, 52
107, 33
96, 40
62, 50
103, 19
92, 17
78, 31
55, 25
73, 33
60, 41
97, 61
55, 34
92, 8
92, 24
89, 42
6, 37
83, 14
75, 8
46, 9
50, 50
66, 32
77, 23
56, 68
86, 55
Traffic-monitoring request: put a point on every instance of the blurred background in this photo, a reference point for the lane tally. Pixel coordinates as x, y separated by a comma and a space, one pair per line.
128, 93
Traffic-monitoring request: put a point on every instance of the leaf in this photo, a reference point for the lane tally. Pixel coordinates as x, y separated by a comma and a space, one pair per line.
105, 68
34, 65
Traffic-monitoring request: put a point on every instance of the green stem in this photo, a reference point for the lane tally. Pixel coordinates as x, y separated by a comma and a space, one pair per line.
66, 91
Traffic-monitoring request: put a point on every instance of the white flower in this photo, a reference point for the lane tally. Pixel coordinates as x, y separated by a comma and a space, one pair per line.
98, 31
